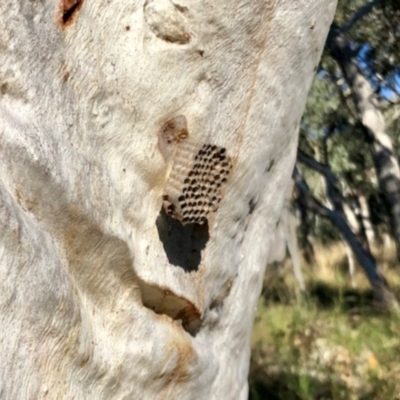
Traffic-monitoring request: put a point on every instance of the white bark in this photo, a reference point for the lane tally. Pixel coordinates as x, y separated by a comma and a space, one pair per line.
102, 296
294, 249
352, 264
285, 236
355, 227
366, 220
351, 218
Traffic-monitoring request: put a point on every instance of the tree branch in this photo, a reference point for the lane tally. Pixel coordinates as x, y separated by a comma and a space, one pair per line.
371, 119
357, 16
330, 179
364, 257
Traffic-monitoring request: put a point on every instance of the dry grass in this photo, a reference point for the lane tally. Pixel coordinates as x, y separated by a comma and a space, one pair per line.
330, 343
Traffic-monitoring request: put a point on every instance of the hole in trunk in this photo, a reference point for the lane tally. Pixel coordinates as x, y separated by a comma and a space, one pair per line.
183, 244
163, 301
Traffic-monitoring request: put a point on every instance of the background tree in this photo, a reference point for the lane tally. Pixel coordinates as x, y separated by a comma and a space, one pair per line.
334, 343
351, 121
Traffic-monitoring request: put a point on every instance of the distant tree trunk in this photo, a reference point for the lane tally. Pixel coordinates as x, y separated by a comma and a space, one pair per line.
305, 231
356, 224
337, 216
355, 227
285, 236
352, 264
145, 147
366, 220
291, 241
351, 218
371, 119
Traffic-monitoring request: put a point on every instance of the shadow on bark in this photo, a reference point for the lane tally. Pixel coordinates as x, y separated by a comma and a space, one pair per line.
182, 243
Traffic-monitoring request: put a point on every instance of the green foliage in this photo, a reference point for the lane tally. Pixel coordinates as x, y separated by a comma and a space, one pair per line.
330, 131
379, 29
323, 108
333, 343
325, 231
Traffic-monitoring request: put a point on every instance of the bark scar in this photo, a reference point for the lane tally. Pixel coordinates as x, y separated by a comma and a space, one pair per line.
69, 10
167, 21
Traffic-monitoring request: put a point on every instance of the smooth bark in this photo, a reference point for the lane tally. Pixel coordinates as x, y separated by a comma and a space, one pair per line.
107, 290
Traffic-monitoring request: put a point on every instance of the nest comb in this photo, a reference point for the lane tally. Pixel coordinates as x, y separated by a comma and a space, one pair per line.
198, 176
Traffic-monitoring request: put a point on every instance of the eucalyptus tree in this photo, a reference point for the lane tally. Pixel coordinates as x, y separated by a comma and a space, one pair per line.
145, 148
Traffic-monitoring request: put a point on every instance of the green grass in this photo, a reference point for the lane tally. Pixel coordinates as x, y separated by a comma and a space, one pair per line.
331, 343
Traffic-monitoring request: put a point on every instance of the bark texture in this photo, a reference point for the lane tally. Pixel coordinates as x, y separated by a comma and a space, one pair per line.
103, 293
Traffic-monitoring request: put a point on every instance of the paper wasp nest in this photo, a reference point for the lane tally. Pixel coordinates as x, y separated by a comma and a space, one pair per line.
198, 176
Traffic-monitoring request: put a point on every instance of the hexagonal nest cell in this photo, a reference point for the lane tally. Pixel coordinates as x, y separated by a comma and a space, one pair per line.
195, 186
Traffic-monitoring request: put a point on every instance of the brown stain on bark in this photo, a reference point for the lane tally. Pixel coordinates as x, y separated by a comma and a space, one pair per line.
66, 76
98, 266
180, 346
68, 11
224, 293
190, 317
164, 302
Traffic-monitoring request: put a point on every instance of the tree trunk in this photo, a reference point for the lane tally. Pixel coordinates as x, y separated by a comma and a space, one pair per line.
144, 152
338, 218
352, 265
285, 237
351, 218
355, 228
371, 118
291, 240
366, 220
